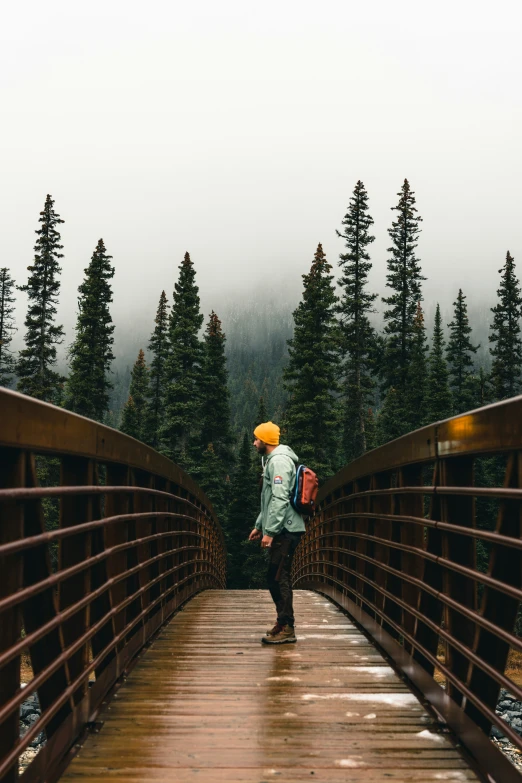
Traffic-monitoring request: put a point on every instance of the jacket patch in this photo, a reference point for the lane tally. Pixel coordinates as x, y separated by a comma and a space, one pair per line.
278, 480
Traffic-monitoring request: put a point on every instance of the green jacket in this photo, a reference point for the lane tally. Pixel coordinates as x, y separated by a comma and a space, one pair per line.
278, 482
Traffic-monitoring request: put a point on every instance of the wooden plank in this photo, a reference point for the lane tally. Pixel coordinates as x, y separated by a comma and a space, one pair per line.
209, 702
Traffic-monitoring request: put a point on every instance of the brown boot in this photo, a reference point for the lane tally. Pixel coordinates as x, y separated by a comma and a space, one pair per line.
285, 636
275, 630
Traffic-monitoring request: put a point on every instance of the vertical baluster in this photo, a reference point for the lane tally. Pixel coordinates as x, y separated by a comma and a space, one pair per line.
382, 504
505, 564
42, 608
411, 535
114, 534
459, 510
12, 474
428, 605
75, 509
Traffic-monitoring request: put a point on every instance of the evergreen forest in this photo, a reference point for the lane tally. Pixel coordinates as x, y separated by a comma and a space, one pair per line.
336, 380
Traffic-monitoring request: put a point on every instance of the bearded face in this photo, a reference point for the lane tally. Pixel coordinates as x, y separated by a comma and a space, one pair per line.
260, 446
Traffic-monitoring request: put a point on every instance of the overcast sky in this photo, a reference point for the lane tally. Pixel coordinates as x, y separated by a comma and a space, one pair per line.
237, 131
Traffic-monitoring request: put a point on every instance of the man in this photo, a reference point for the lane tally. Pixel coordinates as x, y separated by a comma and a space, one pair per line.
279, 527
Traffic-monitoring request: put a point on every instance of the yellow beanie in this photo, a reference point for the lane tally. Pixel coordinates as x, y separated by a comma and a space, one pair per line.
268, 432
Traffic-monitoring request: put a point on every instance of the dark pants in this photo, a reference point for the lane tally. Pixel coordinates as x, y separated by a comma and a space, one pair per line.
283, 548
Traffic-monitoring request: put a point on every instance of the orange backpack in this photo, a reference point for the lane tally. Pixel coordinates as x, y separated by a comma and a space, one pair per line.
305, 491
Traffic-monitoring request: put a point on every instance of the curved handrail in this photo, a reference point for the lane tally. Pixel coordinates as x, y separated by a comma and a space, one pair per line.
133, 537
394, 542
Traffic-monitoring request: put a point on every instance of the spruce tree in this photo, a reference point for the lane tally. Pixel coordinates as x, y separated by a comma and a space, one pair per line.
417, 383
134, 416
130, 420
391, 417
357, 334
438, 397
182, 367
214, 481
311, 377
371, 430
159, 346
214, 414
36, 360
261, 415
459, 356
243, 511
7, 327
506, 348
88, 385
404, 278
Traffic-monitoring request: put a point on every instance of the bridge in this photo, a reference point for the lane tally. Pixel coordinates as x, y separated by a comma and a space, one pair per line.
114, 613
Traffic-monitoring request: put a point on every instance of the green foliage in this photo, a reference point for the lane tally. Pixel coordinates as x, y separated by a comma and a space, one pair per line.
404, 278
88, 385
212, 477
506, 348
214, 414
159, 346
48, 475
256, 356
261, 415
311, 377
459, 356
244, 559
183, 366
7, 327
370, 428
36, 360
357, 334
417, 380
438, 397
391, 418
134, 416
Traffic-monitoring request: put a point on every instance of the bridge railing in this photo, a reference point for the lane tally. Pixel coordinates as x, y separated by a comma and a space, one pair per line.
420, 540
92, 564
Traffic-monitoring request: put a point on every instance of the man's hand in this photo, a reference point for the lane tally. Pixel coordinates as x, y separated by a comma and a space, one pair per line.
266, 541
255, 535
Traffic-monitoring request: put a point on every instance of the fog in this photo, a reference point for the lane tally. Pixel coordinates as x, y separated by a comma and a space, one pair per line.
237, 131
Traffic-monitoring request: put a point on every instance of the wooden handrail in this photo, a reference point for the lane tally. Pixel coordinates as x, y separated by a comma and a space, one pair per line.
136, 538
394, 542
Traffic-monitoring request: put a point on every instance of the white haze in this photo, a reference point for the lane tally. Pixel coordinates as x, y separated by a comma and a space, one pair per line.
237, 131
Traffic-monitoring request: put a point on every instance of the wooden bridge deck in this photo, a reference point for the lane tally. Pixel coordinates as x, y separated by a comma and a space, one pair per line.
208, 703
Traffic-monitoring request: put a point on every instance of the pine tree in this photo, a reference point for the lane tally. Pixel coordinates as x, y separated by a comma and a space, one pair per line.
36, 360
215, 482
261, 415
311, 377
214, 414
391, 417
438, 397
88, 386
459, 353
130, 421
244, 508
506, 347
357, 334
134, 416
371, 430
159, 346
183, 366
404, 278
7, 327
417, 383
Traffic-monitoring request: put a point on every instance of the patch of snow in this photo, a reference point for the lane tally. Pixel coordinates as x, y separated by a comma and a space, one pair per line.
283, 679
392, 699
431, 735
352, 763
